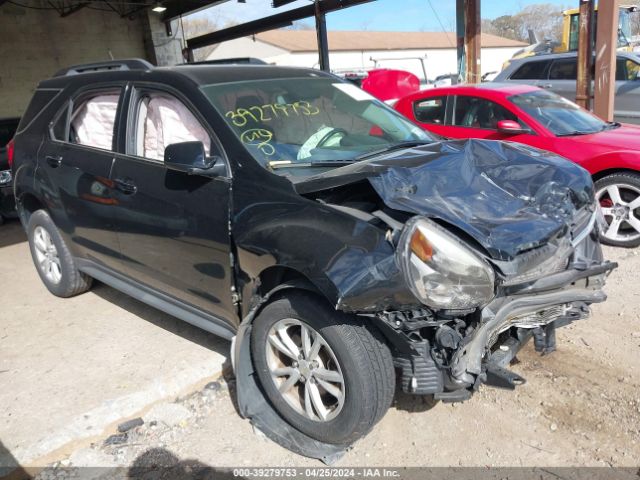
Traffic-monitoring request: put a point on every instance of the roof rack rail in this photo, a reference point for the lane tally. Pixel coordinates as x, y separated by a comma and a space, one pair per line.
126, 64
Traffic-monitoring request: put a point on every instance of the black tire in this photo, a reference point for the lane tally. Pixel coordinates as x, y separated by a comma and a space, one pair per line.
363, 356
622, 180
72, 281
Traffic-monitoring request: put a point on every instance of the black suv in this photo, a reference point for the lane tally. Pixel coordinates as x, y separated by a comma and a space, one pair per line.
341, 247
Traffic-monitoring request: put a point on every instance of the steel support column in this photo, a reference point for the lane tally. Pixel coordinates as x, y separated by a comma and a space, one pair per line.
605, 71
472, 23
323, 42
585, 53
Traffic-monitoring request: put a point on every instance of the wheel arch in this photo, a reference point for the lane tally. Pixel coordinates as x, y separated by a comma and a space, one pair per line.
273, 280
611, 171
27, 203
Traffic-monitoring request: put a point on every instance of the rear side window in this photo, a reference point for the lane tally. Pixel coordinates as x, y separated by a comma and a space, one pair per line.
563, 70
88, 120
531, 71
93, 121
430, 110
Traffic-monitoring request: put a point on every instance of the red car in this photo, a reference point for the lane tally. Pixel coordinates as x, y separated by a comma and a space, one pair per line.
542, 119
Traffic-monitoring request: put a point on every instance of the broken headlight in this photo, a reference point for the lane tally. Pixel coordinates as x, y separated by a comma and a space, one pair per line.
443, 272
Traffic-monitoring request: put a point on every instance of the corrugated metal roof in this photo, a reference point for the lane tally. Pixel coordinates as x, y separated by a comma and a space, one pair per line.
305, 40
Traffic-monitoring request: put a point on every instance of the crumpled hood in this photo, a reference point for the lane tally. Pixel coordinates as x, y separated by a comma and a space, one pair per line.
509, 197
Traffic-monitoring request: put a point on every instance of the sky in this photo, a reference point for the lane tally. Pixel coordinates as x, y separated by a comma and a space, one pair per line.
389, 15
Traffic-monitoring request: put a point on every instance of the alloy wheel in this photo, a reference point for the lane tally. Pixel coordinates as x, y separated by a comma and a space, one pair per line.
305, 370
620, 205
47, 255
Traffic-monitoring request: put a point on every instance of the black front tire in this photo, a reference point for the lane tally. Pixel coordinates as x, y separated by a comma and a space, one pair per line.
72, 282
364, 358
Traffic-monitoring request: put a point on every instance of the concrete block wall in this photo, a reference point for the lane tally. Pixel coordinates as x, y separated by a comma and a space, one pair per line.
34, 44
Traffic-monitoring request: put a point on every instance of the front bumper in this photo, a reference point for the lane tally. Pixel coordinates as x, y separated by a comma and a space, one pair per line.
533, 306
530, 310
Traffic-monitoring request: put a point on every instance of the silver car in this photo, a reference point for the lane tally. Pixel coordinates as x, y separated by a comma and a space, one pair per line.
557, 72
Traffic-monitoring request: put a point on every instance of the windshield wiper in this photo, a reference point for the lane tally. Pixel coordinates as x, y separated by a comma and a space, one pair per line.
276, 164
392, 147
574, 133
611, 125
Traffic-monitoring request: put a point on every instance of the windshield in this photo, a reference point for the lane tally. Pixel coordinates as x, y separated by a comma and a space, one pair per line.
296, 126
558, 114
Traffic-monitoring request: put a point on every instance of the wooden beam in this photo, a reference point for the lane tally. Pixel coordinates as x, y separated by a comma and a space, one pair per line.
585, 53
605, 71
472, 45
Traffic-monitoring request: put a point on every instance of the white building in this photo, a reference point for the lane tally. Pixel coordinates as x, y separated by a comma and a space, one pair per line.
366, 50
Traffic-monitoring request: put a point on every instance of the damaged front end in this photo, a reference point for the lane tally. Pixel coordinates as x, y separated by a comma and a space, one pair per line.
450, 352
504, 248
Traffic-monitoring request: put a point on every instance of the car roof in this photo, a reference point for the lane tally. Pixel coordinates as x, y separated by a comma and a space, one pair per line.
200, 74
504, 89
572, 54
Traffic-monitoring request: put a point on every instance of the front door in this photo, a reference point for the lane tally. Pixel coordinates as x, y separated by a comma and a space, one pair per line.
173, 227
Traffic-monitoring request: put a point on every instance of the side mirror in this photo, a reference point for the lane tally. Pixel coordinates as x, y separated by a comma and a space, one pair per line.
188, 157
510, 127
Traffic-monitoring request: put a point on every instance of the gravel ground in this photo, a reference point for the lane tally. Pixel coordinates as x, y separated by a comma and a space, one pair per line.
579, 407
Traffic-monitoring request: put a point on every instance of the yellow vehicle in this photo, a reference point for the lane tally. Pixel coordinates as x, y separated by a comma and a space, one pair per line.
571, 25
570, 31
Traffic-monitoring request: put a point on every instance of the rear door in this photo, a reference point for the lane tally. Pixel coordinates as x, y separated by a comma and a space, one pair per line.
173, 227
562, 78
74, 164
430, 112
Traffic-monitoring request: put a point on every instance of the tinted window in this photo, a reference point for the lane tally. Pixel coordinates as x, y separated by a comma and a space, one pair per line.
476, 112
531, 71
565, 69
430, 110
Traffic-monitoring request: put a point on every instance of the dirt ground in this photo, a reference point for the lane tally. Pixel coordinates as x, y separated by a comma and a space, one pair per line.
579, 407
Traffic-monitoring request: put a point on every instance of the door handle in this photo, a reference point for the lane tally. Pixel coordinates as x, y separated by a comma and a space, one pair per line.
54, 161
126, 186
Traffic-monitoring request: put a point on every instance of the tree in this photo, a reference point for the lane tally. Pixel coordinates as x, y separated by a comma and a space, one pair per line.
196, 26
544, 19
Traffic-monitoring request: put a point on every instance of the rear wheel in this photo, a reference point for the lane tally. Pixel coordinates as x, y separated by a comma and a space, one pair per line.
619, 199
52, 258
326, 373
